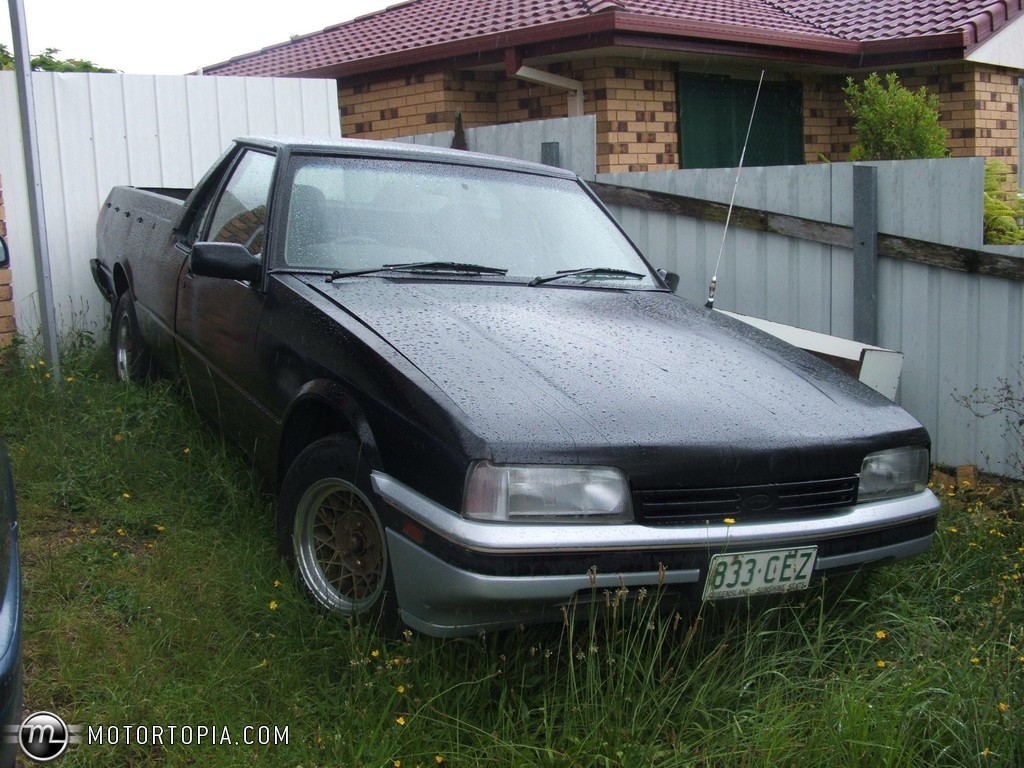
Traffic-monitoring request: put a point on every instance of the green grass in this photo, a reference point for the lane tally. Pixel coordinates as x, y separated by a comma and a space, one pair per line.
154, 596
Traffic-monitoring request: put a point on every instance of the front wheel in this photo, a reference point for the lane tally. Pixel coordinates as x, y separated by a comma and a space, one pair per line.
132, 358
330, 532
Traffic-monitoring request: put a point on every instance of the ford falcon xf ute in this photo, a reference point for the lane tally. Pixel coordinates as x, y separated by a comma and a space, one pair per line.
480, 403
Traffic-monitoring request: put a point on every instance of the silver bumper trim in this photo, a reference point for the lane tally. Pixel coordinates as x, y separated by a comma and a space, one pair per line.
438, 599
539, 538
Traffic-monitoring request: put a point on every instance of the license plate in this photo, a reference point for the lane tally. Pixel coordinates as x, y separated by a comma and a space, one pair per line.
742, 574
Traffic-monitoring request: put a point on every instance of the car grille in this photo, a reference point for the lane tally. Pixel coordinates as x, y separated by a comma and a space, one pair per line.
700, 505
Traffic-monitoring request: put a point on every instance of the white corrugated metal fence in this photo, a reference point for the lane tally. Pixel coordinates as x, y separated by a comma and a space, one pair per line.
96, 131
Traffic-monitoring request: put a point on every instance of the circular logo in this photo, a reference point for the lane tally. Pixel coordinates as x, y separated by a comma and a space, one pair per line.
43, 736
759, 502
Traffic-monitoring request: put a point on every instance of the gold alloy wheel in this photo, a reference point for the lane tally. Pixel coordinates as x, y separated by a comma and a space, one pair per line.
339, 546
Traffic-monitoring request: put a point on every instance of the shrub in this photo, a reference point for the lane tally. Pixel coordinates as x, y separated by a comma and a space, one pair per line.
1002, 208
892, 122
1005, 401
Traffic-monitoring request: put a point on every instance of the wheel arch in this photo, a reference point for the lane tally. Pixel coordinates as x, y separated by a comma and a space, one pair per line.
121, 281
322, 408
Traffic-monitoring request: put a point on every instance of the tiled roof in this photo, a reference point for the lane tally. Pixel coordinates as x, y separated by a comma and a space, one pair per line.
422, 30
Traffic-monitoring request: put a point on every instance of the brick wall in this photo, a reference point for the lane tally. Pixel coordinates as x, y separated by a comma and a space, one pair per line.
637, 108
416, 104
977, 102
637, 115
7, 327
637, 120
823, 134
982, 114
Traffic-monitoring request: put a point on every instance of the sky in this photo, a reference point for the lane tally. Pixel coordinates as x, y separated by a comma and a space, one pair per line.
171, 37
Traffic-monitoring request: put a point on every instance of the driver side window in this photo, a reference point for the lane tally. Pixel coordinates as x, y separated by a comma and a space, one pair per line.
240, 215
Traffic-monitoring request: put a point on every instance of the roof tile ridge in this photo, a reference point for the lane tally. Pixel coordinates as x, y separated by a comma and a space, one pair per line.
370, 14
602, 6
824, 30
990, 19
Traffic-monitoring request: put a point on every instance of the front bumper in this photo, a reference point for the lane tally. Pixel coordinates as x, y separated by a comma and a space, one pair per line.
495, 575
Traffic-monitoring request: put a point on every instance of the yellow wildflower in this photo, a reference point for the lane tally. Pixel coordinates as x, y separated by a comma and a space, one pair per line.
729, 521
1004, 707
880, 634
881, 664
400, 720
273, 605
400, 689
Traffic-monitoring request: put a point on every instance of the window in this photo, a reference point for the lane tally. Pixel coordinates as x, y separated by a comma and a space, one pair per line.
714, 113
352, 214
241, 212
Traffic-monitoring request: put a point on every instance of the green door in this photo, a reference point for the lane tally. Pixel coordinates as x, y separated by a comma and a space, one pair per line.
714, 113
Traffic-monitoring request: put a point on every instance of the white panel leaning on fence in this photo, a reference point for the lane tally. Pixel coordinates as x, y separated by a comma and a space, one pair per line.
96, 131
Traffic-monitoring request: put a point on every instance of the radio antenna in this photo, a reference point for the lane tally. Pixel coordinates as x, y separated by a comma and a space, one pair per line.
710, 304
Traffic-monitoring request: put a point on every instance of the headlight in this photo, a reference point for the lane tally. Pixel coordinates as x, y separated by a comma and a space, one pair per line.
541, 494
895, 472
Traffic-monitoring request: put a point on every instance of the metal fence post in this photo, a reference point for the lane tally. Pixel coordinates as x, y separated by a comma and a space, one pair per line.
865, 254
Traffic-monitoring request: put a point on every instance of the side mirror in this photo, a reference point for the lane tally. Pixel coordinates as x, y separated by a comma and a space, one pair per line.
5, 254
229, 261
671, 279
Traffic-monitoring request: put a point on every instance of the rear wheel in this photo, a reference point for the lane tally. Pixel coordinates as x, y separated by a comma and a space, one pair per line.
132, 358
330, 532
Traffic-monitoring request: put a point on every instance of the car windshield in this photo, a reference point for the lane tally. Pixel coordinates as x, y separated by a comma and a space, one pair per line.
360, 215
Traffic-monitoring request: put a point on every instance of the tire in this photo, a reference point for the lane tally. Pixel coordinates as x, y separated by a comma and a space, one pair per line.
330, 533
133, 361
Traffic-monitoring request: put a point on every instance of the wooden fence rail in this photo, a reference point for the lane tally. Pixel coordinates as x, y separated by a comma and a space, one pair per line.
966, 260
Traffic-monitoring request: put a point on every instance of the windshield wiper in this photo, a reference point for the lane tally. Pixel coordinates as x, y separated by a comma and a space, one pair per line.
421, 266
597, 271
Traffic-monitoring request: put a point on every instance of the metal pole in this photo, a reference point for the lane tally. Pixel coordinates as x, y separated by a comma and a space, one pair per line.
26, 102
865, 254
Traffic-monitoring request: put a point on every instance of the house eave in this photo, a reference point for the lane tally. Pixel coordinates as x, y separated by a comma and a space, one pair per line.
618, 28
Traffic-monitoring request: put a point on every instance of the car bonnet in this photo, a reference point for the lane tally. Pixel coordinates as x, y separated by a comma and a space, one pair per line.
601, 375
